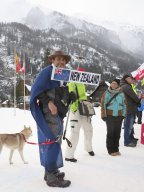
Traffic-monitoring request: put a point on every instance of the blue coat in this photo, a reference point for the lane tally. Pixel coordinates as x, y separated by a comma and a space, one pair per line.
141, 107
117, 107
50, 155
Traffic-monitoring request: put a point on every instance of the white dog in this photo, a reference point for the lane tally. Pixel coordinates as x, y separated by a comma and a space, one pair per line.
15, 141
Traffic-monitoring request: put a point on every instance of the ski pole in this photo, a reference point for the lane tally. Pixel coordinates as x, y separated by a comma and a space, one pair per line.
64, 135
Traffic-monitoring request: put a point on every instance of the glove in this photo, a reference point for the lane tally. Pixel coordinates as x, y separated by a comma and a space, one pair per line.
72, 96
104, 118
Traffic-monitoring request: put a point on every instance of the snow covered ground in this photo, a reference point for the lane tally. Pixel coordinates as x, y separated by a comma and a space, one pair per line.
101, 173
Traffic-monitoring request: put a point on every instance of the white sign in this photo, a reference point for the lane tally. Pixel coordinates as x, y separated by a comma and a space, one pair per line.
62, 74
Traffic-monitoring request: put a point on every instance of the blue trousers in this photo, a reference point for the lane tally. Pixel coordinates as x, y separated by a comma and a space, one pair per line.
128, 125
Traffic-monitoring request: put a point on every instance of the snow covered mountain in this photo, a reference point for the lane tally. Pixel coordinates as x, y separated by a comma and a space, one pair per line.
101, 49
37, 19
131, 37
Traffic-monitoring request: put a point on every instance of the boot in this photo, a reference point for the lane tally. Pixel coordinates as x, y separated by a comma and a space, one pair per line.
71, 160
115, 154
131, 145
91, 153
58, 174
54, 181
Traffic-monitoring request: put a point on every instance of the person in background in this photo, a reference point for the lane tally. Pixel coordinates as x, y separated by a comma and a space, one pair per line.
138, 114
133, 101
141, 107
49, 105
113, 111
78, 121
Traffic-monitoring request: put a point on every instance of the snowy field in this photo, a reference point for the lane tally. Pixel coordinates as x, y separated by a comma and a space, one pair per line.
101, 173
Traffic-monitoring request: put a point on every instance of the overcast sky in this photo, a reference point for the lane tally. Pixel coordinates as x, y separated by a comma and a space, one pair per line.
129, 11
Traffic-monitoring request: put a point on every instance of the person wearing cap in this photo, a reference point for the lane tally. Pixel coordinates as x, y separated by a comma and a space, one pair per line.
133, 101
138, 113
77, 122
113, 111
48, 110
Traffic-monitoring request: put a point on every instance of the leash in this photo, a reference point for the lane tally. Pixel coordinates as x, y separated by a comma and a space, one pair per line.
49, 142
42, 143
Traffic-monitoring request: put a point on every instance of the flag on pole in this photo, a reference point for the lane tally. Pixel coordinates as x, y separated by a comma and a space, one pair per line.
139, 73
17, 63
24, 66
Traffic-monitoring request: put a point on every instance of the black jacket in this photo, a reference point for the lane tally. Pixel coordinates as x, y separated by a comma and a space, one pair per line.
59, 96
131, 97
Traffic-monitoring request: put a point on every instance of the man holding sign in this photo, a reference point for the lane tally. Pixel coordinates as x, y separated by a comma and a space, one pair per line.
49, 105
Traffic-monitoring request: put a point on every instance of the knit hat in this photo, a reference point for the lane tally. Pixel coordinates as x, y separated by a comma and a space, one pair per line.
116, 80
126, 76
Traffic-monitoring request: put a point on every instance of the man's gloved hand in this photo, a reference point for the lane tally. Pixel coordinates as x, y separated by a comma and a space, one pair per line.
72, 96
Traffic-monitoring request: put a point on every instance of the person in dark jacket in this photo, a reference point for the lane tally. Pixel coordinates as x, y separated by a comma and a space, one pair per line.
113, 111
132, 104
49, 105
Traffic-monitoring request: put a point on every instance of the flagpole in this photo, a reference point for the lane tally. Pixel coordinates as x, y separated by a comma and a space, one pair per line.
15, 83
79, 58
24, 80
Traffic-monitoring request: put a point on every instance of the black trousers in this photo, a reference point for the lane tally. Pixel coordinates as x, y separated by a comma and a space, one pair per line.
113, 133
139, 116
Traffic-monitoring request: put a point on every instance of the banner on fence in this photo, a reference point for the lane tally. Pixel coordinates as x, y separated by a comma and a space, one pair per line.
62, 74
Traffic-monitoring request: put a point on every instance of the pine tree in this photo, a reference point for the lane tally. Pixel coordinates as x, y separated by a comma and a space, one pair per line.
46, 54
20, 89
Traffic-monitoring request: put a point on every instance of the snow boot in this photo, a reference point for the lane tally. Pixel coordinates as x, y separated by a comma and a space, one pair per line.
115, 154
71, 160
91, 153
58, 174
54, 181
131, 145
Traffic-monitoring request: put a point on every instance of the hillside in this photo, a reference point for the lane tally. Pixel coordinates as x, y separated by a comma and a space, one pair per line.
97, 45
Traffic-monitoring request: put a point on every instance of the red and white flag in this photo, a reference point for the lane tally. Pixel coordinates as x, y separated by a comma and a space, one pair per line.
139, 73
17, 63
23, 67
